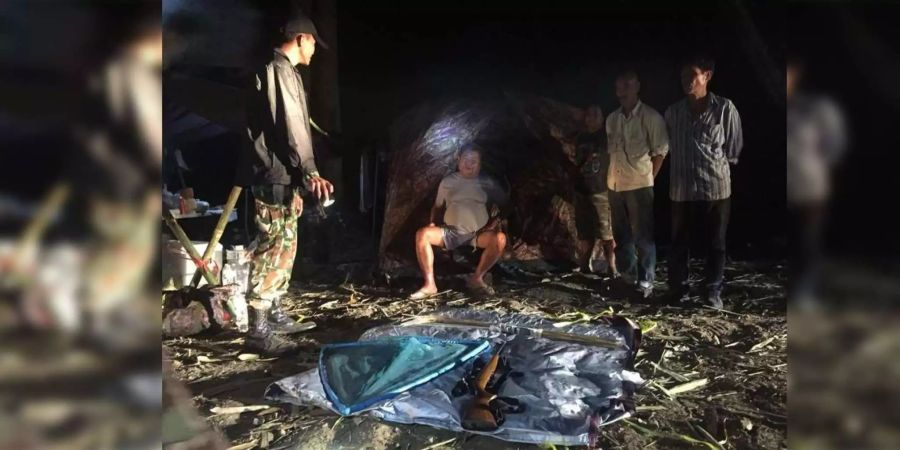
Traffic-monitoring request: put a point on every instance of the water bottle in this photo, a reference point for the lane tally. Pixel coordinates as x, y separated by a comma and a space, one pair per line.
239, 307
236, 272
241, 267
228, 274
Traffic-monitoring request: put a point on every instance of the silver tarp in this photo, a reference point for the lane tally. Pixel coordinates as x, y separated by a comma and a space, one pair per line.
569, 389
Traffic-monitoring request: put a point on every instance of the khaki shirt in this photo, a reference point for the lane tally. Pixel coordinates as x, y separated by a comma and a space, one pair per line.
633, 140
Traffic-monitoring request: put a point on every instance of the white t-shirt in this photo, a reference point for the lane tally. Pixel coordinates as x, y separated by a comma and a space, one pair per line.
466, 201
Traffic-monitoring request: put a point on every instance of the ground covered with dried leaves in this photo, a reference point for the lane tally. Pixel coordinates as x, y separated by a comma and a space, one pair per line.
715, 378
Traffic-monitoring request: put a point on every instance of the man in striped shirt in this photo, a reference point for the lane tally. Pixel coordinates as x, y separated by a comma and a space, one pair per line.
705, 138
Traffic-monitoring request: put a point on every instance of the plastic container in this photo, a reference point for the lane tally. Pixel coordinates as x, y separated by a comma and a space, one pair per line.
237, 272
177, 266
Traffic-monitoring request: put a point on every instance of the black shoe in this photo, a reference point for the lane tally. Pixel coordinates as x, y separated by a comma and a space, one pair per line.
675, 296
262, 340
714, 299
280, 323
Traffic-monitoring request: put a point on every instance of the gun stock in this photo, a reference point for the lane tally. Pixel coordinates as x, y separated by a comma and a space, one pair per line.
479, 416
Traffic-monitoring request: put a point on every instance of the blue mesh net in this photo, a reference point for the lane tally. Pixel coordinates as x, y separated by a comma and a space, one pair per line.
359, 375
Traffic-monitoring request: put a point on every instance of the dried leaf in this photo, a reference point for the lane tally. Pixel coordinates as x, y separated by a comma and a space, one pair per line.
687, 387
676, 376
265, 438
650, 408
575, 317
761, 345
238, 409
268, 411
673, 436
439, 444
646, 325
330, 305
246, 446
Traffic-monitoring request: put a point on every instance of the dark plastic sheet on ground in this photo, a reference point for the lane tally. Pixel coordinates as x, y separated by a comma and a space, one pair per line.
569, 389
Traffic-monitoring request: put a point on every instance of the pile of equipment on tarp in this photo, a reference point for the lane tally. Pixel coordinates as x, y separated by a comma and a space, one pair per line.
515, 377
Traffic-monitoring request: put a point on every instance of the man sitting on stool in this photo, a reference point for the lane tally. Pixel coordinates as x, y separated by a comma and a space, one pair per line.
464, 196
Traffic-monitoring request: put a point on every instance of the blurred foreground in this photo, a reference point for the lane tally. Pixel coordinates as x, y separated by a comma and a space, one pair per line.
81, 131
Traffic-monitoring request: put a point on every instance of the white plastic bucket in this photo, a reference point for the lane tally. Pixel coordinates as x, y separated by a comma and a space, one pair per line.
177, 266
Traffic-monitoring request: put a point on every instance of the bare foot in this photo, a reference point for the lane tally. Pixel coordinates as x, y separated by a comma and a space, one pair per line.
473, 281
424, 292
477, 285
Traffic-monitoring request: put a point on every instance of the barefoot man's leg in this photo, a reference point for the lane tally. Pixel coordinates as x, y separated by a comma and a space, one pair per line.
425, 238
493, 243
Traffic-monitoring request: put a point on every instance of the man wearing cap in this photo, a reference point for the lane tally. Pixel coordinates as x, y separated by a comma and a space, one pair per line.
638, 143
278, 162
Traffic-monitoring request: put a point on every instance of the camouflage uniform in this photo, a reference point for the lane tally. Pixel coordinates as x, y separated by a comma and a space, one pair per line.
275, 247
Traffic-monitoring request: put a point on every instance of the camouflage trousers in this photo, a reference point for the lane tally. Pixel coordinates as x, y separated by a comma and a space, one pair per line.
275, 247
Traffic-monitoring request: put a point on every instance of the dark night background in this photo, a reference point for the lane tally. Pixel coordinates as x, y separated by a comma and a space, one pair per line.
395, 55
852, 56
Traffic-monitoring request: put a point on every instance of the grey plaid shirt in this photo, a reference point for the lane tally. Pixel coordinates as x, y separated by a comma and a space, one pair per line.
701, 148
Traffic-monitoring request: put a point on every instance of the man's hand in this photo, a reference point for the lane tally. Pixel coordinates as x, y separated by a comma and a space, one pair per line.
320, 187
657, 164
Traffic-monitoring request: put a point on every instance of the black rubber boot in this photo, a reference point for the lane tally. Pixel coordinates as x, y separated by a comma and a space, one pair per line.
676, 296
280, 323
262, 340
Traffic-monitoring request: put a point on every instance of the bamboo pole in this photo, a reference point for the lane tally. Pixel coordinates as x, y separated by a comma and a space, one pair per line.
189, 247
30, 240
217, 233
50, 206
508, 329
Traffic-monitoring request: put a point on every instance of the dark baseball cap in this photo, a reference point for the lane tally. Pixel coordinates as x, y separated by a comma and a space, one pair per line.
301, 23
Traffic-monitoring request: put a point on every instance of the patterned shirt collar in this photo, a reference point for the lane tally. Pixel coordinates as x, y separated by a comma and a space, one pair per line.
713, 103
634, 110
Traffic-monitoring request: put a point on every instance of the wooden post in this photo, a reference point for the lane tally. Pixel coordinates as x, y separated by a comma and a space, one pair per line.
189, 247
217, 233
42, 219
